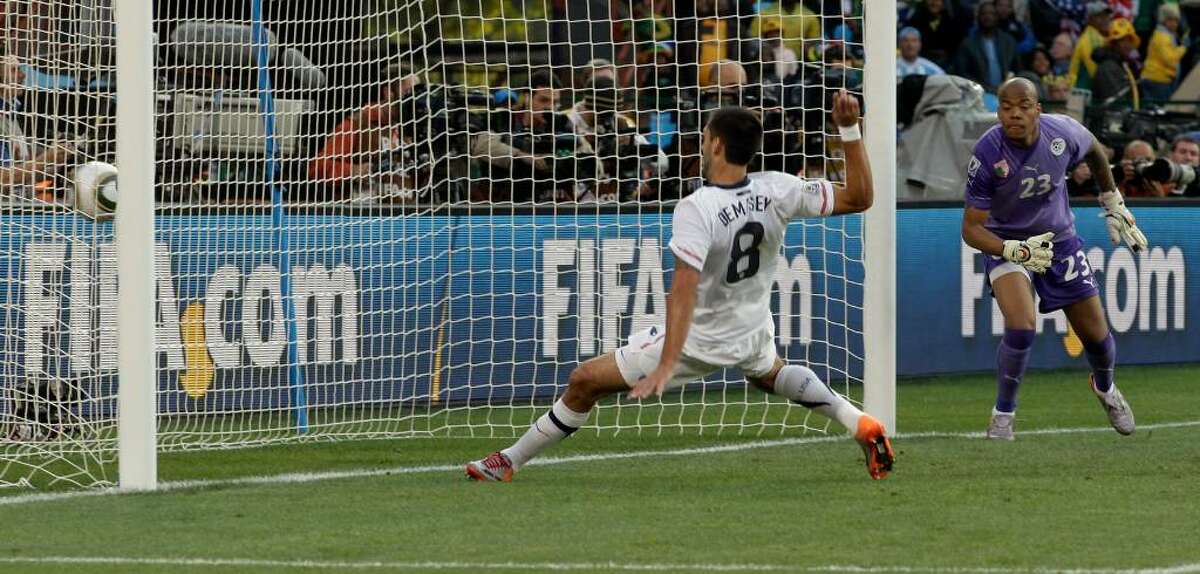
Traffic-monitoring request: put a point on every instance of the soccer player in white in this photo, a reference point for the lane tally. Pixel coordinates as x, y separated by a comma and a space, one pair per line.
726, 237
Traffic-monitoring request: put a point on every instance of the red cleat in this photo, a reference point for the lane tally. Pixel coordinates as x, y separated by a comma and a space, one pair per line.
495, 468
875, 444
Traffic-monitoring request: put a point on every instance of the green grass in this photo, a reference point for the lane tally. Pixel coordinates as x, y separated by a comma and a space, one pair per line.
1081, 500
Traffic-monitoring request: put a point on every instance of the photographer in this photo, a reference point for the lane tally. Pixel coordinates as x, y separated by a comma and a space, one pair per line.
22, 163
1177, 172
357, 156
518, 148
1130, 174
628, 166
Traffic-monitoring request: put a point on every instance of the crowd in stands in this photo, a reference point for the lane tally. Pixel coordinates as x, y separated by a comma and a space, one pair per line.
1124, 51
624, 126
1118, 55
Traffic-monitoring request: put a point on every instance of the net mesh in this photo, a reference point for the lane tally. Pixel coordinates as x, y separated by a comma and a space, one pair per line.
402, 217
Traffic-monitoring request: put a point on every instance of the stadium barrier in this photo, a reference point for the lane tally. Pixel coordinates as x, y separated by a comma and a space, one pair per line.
439, 308
460, 308
948, 322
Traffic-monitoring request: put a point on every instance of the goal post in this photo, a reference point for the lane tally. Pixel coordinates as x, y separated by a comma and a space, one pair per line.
137, 362
879, 301
360, 221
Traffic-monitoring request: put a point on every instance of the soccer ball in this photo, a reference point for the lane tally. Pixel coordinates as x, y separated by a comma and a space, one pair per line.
96, 189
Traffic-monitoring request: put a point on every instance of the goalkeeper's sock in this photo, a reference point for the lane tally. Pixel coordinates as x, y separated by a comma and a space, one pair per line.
558, 423
1011, 360
802, 386
1102, 356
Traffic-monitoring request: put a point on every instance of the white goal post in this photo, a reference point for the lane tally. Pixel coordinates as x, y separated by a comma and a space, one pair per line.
351, 222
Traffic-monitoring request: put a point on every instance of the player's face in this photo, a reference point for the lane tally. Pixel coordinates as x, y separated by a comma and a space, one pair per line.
708, 152
705, 154
1019, 114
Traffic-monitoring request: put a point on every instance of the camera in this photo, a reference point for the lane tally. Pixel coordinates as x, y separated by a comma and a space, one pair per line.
1166, 171
1139, 170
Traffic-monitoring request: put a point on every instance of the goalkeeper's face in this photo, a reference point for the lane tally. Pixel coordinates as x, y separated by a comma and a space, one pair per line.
1019, 112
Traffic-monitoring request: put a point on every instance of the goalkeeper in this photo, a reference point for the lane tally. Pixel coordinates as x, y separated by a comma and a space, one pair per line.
1018, 215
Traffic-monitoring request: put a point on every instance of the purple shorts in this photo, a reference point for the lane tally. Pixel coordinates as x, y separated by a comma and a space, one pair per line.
1068, 280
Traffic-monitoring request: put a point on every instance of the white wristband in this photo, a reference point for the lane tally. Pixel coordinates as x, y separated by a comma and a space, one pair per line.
850, 134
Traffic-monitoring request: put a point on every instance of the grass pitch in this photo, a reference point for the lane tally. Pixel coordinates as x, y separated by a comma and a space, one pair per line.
1069, 493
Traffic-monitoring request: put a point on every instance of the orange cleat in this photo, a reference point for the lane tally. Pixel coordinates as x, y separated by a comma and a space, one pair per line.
495, 468
876, 446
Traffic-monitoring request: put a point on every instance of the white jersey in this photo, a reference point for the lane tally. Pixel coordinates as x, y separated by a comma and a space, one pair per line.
733, 234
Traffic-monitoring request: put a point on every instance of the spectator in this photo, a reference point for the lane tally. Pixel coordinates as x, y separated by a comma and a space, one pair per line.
1080, 182
1040, 70
595, 68
612, 134
1165, 52
726, 74
20, 167
1018, 30
653, 23
1060, 54
1117, 67
1185, 150
989, 54
1083, 66
800, 27
360, 148
520, 168
1145, 15
779, 61
656, 66
1137, 155
910, 62
1048, 18
941, 31
713, 37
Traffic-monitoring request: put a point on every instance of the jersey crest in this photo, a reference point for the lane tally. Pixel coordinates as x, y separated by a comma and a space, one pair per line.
1000, 168
1058, 146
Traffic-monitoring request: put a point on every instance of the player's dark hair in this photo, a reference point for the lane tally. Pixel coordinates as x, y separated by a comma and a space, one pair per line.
739, 130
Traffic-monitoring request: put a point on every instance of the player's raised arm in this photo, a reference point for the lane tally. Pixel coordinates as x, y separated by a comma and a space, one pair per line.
1120, 221
858, 192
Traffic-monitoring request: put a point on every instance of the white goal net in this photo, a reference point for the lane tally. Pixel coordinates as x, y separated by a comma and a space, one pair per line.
400, 218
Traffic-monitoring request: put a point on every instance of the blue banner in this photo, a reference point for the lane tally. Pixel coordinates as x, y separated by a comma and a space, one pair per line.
436, 310
423, 309
948, 322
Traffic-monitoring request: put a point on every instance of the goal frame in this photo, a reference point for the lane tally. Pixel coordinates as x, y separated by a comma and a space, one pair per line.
137, 417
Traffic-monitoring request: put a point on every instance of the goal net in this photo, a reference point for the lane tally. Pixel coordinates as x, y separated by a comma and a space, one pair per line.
400, 218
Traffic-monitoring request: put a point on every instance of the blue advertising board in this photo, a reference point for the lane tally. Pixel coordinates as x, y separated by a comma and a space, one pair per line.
438, 309
428, 309
948, 322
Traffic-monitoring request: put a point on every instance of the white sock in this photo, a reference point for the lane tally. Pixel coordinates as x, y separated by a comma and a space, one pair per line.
558, 423
801, 385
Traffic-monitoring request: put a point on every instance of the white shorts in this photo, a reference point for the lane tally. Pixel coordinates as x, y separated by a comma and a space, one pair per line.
755, 357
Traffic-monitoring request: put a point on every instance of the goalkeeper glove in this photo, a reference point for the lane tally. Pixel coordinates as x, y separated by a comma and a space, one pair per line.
1120, 222
1035, 253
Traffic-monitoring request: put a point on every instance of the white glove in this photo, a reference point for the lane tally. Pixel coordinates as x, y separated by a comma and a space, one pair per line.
1120, 222
1035, 253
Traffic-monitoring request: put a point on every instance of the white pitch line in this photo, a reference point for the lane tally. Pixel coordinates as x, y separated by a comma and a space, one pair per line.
567, 566
303, 477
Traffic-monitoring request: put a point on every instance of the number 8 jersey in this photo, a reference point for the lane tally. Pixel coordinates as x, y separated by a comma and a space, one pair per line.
733, 234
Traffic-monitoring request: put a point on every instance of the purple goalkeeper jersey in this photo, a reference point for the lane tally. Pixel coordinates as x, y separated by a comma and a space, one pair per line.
1024, 189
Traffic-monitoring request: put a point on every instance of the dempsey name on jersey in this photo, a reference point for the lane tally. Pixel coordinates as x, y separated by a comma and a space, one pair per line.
743, 205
